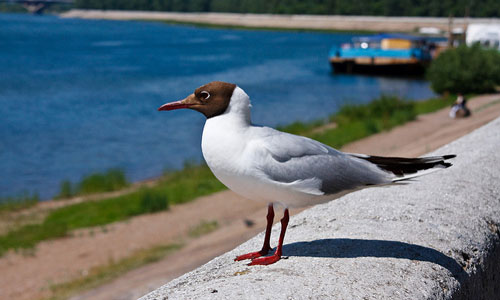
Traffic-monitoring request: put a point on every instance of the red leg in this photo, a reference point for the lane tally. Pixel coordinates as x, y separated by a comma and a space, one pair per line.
266, 247
277, 255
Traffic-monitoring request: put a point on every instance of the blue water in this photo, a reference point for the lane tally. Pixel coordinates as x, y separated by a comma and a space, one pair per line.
80, 96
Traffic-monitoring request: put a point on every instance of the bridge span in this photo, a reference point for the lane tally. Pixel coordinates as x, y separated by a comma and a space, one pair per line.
37, 6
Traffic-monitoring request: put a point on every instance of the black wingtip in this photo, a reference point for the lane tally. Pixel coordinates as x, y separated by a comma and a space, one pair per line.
446, 164
401, 166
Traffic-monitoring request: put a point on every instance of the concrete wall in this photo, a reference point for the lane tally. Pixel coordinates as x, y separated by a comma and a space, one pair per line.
436, 237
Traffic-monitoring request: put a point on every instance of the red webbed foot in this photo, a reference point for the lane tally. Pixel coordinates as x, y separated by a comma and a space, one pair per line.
258, 258
251, 255
267, 260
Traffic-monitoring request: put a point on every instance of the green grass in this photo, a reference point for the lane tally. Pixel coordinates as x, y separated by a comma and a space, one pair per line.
302, 128
111, 180
431, 105
203, 228
189, 183
11, 204
103, 274
358, 121
175, 187
355, 122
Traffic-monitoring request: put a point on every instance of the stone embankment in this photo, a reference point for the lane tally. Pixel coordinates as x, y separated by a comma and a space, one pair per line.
436, 237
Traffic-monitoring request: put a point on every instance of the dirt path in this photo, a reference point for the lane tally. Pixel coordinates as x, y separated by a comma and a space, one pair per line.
429, 131
28, 277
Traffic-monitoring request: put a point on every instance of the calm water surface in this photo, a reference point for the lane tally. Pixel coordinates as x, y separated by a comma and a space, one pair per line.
80, 96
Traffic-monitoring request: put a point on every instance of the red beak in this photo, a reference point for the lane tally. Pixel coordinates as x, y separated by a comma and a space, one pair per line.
174, 105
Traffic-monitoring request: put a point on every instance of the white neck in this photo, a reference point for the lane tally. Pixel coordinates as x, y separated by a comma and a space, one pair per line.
222, 135
238, 110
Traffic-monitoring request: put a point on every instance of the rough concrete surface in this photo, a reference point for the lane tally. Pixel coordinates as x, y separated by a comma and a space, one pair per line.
436, 237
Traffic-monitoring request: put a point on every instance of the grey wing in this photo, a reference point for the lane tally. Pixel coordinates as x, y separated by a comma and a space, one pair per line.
314, 167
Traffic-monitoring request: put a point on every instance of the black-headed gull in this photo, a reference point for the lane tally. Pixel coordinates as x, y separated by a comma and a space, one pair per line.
261, 163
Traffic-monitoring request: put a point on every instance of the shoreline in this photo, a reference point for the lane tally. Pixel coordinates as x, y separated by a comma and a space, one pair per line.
282, 22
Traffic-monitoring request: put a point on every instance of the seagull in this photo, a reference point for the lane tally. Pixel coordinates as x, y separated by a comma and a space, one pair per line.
264, 164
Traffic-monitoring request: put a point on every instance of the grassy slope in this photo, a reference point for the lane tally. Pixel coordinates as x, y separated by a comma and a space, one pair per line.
353, 122
173, 188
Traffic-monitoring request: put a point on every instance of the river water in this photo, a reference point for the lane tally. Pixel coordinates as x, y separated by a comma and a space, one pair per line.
80, 96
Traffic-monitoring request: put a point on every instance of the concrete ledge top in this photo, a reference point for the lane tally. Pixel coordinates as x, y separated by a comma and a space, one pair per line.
434, 238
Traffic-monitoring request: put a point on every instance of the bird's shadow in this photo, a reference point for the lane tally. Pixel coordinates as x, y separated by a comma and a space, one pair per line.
352, 248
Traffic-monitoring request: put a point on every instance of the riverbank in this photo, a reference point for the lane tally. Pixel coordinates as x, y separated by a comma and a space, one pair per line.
268, 21
55, 262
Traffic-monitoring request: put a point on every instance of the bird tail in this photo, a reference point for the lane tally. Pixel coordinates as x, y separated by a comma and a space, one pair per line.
407, 168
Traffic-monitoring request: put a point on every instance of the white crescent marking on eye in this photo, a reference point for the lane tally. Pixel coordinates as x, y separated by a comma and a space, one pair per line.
205, 92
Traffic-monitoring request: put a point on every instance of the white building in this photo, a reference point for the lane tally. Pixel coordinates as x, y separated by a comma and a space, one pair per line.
488, 35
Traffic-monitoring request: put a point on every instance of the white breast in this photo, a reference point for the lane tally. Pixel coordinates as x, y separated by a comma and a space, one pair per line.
228, 146
225, 149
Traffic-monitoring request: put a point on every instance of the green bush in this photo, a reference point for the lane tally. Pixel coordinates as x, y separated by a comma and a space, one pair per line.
19, 202
387, 110
431, 105
465, 70
66, 190
152, 202
175, 187
358, 121
113, 179
300, 128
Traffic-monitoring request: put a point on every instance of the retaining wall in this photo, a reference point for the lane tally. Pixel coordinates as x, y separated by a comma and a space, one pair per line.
436, 237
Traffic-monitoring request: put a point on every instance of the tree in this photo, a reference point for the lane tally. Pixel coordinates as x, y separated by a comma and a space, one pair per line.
465, 70
443, 8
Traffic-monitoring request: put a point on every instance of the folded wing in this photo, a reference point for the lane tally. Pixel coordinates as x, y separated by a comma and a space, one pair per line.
311, 167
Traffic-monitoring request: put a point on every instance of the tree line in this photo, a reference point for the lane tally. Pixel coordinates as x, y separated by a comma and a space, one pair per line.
431, 8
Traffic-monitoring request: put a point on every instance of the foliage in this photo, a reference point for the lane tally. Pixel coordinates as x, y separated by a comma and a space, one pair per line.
481, 8
465, 70
191, 182
357, 121
300, 128
152, 202
431, 105
12, 8
66, 190
111, 180
175, 187
21, 202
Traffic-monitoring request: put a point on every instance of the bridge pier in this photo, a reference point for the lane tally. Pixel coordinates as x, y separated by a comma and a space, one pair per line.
35, 7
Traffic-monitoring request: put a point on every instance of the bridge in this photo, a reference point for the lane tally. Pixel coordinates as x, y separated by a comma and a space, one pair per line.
37, 6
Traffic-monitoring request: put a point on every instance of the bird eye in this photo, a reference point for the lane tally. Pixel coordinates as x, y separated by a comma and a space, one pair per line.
205, 95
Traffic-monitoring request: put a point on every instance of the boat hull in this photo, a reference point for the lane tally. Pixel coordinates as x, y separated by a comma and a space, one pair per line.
379, 66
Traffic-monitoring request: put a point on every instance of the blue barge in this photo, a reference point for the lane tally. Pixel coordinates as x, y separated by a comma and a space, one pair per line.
383, 54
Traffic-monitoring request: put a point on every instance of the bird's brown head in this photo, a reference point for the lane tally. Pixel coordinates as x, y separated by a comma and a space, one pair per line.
211, 99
